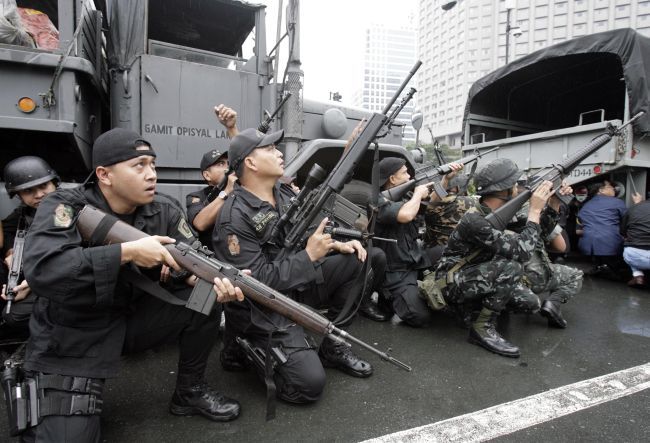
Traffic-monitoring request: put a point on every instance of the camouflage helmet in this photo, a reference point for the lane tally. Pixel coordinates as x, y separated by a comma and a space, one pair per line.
498, 175
26, 172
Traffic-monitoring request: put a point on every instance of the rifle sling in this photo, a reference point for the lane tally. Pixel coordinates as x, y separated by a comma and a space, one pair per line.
138, 280
99, 234
362, 280
449, 278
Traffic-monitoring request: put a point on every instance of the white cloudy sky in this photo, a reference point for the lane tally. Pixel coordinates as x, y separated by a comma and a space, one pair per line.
332, 39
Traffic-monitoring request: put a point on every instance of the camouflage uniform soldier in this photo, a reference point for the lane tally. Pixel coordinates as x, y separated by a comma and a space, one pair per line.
442, 217
541, 275
482, 264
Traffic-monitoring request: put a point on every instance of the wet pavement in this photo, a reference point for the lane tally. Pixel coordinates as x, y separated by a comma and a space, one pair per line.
609, 330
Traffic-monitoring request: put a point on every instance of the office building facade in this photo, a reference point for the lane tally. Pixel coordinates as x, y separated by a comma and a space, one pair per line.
463, 43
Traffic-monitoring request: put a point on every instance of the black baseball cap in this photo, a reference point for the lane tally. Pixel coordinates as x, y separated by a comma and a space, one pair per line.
246, 141
118, 145
388, 166
211, 157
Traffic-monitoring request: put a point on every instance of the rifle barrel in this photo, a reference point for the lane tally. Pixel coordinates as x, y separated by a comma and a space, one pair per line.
208, 268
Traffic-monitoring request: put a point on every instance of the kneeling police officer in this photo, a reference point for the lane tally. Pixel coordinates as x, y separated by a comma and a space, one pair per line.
88, 311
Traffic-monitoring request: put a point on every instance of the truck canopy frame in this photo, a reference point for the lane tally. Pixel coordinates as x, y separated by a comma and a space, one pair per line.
576, 82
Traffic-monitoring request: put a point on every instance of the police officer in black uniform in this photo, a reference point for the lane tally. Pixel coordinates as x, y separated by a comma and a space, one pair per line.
242, 237
31, 178
202, 213
88, 312
202, 209
408, 258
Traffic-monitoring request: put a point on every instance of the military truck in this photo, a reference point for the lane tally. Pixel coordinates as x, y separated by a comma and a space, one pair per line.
157, 67
550, 103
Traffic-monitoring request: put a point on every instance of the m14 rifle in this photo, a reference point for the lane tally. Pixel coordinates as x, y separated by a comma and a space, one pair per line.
500, 217
430, 174
302, 215
16, 268
200, 262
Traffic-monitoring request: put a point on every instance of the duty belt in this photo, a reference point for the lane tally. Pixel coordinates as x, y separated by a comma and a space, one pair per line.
65, 395
65, 403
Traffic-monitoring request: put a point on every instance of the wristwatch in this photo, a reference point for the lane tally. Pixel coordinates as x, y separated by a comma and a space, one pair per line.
223, 195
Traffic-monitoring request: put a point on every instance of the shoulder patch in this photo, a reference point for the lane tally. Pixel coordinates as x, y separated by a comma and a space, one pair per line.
184, 229
63, 215
195, 200
233, 244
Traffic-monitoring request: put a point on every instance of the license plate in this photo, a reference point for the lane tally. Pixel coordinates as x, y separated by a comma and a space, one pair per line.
582, 173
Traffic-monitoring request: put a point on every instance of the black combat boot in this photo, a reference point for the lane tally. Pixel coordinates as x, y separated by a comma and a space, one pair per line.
483, 333
551, 311
370, 310
339, 355
203, 400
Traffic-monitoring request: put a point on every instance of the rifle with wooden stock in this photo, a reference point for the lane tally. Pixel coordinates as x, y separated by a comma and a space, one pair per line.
199, 261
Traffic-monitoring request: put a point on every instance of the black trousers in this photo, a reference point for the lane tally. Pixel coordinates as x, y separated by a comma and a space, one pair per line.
301, 379
155, 323
405, 298
152, 323
342, 279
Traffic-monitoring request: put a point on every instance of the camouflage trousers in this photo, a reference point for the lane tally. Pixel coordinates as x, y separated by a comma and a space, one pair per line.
562, 283
492, 284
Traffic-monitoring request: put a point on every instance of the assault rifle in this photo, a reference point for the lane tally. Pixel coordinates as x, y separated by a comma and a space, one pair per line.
263, 127
303, 212
500, 217
430, 173
341, 212
199, 262
16, 267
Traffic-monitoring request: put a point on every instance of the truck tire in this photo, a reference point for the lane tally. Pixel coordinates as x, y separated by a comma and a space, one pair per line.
358, 192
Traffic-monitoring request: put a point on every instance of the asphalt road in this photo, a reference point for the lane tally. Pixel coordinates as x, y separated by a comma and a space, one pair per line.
609, 331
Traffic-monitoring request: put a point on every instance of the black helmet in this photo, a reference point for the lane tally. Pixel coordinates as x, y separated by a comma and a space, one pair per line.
498, 175
26, 172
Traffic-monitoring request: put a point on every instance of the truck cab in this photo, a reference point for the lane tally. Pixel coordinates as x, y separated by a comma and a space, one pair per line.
158, 68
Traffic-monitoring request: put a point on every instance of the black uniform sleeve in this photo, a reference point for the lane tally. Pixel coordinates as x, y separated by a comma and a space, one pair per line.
58, 266
236, 242
194, 204
388, 211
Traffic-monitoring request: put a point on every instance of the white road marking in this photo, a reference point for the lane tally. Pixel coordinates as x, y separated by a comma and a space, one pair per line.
520, 414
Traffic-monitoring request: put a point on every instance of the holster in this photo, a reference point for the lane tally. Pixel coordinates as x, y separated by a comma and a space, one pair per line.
430, 288
31, 396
